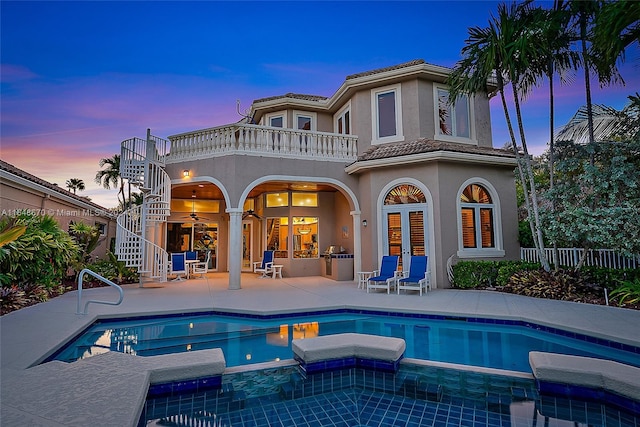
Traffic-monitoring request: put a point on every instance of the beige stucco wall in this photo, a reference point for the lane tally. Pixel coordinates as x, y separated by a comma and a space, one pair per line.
443, 181
15, 197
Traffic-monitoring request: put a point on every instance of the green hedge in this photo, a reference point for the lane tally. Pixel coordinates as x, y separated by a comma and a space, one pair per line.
481, 274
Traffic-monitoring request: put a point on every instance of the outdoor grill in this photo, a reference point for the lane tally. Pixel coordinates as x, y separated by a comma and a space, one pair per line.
333, 249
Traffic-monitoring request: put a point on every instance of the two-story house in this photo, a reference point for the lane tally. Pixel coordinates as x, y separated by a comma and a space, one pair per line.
385, 165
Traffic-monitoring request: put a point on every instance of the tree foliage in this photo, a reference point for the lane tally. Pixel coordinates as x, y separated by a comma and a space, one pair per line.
596, 196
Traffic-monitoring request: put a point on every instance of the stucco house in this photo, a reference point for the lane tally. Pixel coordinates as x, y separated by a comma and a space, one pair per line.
383, 166
21, 191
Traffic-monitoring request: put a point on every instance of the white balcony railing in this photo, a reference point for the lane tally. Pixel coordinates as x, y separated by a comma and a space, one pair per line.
262, 141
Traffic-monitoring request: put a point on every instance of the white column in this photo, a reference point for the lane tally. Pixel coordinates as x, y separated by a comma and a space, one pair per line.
357, 243
235, 247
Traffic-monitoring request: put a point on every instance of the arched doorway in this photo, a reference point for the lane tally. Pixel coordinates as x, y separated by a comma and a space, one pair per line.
404, 219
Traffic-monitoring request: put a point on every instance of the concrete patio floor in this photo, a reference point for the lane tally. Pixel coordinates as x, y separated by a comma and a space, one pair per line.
106, 394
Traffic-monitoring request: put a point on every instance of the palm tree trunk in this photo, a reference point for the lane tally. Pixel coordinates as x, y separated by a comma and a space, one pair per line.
531, 190
514, 144
550, 73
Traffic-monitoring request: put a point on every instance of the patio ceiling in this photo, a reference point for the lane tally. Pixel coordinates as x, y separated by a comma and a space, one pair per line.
212, 192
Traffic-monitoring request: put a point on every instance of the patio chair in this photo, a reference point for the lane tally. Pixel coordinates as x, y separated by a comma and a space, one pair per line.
178, 266
417, 278
201, 268
385, 278
264, 267
191, 255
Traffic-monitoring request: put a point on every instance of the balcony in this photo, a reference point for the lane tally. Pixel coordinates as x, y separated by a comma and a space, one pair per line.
255, 140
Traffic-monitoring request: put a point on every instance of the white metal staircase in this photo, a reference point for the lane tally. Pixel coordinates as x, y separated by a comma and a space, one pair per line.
142, 164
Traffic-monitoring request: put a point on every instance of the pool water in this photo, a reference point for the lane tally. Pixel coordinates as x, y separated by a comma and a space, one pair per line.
247, 340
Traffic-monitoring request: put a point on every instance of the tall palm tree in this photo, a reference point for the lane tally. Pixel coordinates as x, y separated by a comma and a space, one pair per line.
74, 184
506, 50
110, 176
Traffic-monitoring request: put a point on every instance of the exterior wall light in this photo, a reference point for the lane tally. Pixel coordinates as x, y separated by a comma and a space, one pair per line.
364, 222
186, 173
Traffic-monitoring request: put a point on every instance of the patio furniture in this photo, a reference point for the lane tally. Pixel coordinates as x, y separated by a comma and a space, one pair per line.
264, 267
417, 278
178, 266
363, 278
385, 278
201, 268
277, 270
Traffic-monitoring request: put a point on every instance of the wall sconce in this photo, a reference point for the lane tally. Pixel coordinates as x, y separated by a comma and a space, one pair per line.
186, 173
364, 222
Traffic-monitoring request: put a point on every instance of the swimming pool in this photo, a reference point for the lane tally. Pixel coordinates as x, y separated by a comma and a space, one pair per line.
247, 339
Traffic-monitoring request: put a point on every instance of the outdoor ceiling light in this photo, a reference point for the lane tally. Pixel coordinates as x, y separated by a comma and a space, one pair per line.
186, 173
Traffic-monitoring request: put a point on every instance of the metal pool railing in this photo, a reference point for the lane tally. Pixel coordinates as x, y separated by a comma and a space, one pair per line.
102, 279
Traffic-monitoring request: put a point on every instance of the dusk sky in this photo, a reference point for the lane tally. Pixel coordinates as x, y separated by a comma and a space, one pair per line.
79, 77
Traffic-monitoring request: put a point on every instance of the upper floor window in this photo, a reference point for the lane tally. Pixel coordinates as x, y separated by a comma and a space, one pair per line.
276, 120
454, 122
342, 120
479, 222
304, 120
387, 114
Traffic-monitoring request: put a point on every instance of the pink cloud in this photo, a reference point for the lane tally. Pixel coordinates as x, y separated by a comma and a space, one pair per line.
10, 73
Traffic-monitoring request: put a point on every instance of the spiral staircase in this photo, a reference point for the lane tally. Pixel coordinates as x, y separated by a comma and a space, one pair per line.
142, 164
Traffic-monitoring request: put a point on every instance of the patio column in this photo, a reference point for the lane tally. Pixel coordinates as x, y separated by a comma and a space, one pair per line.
235, 247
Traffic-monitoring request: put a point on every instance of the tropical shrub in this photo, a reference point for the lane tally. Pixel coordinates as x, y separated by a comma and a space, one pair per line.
506, 269
566, 285
39, 256
473, 274
628, 292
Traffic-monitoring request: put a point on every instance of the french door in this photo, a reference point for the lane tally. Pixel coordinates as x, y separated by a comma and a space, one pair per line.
405, 231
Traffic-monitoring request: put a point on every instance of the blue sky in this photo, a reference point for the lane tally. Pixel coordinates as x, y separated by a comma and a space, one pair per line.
79, 77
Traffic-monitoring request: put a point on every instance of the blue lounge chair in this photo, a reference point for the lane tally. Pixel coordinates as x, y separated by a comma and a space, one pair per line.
417, 278
385, 278
178, 266
264, 266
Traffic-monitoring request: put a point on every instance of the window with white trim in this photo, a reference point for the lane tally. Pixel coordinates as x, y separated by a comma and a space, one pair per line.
342, 120
386, 111
453, 122
479, 222
276, 120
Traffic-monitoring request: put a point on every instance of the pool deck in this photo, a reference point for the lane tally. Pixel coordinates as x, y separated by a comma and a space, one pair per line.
107, 392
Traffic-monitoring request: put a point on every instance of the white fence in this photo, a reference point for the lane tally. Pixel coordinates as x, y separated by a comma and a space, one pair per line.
569, 257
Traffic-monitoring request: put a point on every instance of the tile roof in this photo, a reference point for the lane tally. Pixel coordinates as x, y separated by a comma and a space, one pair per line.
382, 70
424, 145
294, 96
26, 175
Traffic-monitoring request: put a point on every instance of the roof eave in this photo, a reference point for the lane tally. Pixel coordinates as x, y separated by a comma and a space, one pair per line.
432, 156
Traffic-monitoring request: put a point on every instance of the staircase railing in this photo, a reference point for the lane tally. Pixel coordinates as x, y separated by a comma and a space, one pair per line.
142, 164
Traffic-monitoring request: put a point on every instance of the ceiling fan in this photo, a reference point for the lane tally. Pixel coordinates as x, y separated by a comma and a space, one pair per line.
250, 213
193, 215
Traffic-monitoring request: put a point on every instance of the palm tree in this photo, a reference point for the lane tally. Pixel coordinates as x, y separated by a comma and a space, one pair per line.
74, 184
506, 51
110, 177
616, 27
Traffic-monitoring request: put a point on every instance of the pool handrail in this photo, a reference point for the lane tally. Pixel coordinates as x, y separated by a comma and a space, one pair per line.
102, 279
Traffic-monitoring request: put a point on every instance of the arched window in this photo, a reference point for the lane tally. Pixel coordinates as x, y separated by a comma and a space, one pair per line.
405, 193
477, 218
